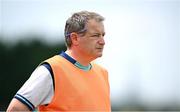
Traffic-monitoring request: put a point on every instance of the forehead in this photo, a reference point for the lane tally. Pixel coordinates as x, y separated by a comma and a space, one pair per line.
95, 26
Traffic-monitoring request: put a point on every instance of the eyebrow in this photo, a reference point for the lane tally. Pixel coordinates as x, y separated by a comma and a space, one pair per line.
95, 33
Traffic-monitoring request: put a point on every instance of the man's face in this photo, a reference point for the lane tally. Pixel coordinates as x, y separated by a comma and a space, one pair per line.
92, 43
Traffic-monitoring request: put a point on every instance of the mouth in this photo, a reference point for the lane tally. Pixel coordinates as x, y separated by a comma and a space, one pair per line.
99, 48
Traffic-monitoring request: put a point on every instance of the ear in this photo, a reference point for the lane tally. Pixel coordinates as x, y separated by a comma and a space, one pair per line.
74, 38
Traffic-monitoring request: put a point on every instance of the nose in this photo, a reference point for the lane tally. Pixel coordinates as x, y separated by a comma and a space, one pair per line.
101, 41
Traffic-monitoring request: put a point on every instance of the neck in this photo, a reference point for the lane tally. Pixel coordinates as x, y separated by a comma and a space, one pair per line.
78, 57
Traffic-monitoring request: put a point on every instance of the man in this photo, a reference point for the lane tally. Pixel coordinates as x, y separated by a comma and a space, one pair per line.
70, 81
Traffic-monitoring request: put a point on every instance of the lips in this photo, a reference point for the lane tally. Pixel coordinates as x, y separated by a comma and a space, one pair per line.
99, 48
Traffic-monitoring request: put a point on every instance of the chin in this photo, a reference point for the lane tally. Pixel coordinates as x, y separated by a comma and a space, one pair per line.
99, 55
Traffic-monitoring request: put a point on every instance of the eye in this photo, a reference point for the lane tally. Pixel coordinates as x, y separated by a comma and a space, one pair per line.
96, 35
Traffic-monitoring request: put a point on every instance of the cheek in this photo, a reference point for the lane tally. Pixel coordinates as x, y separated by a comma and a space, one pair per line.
84, 45
88, 44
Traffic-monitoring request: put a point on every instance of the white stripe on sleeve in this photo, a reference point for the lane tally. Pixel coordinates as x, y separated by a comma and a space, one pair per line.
38, 89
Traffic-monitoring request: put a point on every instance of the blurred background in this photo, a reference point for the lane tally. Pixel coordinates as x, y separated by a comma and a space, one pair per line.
142, 52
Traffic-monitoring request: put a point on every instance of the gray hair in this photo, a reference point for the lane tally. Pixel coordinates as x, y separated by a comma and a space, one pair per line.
77, 23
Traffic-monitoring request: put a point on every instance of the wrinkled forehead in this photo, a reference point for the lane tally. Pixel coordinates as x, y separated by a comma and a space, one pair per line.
95, 26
